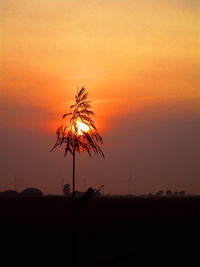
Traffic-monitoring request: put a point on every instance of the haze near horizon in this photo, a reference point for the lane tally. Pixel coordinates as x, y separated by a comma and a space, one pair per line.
139, 61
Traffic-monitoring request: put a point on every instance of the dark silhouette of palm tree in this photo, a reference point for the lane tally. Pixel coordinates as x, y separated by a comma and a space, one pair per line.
80, 134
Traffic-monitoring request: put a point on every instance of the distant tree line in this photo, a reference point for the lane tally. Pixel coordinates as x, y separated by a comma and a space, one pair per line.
28, 192
169, 193
35, 192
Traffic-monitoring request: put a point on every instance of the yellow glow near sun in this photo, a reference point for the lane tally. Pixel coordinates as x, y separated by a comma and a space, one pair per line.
82, 127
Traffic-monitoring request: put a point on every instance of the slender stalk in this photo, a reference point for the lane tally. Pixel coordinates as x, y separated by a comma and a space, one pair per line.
73, 180
73, 205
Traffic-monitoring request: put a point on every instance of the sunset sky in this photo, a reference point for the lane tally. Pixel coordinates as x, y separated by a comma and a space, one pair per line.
139, 60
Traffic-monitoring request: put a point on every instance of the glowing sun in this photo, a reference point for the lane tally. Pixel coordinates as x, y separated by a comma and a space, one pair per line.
82, 127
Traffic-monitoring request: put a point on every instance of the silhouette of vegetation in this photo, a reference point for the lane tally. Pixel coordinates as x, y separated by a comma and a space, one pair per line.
76, 138
109, 232
168, 192
9, 193
31, 192
66, 190
87, 196
159, 193
182, 193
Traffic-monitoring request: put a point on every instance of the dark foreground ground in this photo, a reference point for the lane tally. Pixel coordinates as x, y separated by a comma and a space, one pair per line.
107, 232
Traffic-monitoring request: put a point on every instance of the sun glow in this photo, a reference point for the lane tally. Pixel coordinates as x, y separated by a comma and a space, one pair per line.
82, 127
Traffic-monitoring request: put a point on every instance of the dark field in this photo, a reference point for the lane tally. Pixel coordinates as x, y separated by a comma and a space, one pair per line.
107, 232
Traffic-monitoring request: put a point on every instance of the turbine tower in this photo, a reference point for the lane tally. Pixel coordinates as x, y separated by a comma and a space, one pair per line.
129, 183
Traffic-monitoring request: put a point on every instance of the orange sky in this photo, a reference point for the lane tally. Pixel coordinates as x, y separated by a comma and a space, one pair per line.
133, 57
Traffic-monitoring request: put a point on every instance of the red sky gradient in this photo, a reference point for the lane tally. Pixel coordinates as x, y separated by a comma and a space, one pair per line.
140, 62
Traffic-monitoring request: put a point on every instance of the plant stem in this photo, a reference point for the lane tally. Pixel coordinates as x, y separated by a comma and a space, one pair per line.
73, 181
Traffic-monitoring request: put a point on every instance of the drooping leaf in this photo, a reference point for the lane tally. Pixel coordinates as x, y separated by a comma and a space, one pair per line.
66, 114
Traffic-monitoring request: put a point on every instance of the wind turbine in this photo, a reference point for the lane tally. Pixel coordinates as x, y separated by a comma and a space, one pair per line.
14, 182
129, 183
84, 183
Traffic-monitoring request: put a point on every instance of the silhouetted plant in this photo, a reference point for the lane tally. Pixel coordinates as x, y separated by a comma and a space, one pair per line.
66, 190
80, 134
